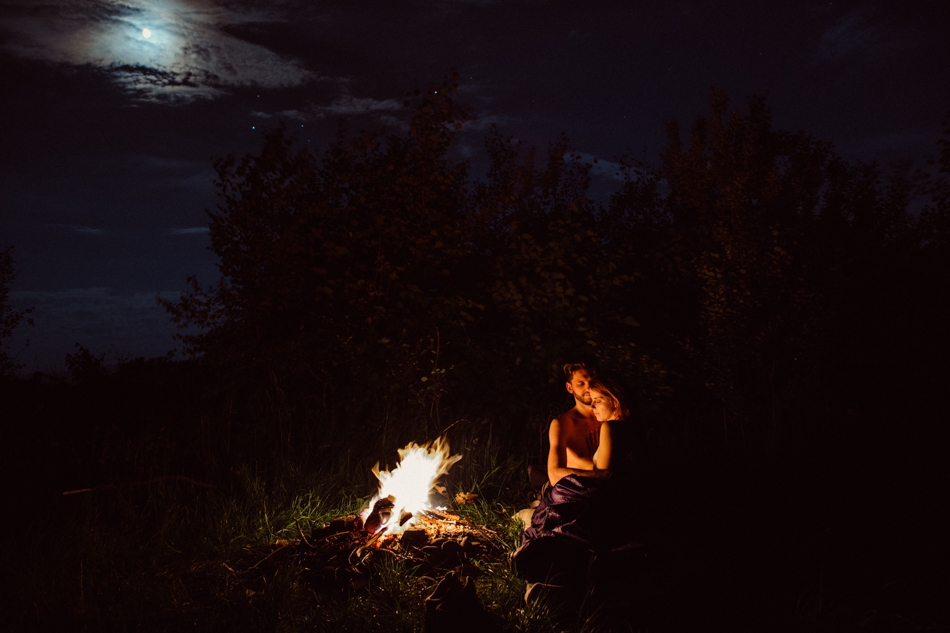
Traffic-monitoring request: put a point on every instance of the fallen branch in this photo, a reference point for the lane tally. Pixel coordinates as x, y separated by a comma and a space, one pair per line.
302, 537
193, 482
254, 566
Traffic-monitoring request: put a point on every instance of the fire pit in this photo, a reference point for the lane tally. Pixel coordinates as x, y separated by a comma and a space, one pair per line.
398, 521
404, 493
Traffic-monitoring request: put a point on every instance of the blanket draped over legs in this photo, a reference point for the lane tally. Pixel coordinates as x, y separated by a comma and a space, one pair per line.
584, 531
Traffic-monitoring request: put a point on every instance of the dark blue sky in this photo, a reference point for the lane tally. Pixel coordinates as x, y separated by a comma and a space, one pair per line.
105, 167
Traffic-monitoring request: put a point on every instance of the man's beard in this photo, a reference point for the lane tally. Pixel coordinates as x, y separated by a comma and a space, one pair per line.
586, 399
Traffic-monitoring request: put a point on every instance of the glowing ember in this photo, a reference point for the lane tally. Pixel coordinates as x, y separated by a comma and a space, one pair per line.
408, 486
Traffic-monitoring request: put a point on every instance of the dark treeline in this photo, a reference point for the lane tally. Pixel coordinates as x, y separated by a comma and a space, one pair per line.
10, 318
749, 283
751, 288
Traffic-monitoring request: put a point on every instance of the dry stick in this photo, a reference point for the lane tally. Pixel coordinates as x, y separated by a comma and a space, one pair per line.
302, 537
375, 538
268, 556
189, 480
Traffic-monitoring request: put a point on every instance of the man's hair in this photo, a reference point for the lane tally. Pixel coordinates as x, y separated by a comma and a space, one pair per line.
612, 389
570, 368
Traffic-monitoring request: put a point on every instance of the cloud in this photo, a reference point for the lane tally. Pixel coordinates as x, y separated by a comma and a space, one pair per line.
83, 230
188, 55
601, 167
345, 105
483, 122
854, 35
348, 105
478, 3
97, 318
165, 173
292, 115
890, 145
194, 230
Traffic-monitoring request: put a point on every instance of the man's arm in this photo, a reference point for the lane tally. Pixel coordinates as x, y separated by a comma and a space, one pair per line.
557, 456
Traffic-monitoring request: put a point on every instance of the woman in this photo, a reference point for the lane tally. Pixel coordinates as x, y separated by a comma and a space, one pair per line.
614, 451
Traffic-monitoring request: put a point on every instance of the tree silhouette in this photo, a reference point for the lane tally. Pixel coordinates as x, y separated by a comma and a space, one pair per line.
741, 272
765, 261
9, 317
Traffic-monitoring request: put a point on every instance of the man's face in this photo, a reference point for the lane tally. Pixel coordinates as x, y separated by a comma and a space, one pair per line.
580, 386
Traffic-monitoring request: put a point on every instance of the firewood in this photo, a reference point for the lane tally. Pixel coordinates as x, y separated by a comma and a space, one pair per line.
380, 515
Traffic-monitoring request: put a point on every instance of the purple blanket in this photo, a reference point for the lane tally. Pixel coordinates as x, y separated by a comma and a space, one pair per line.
577, 519
567, 510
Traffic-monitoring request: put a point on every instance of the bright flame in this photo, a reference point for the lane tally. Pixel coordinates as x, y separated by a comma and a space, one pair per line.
410, 483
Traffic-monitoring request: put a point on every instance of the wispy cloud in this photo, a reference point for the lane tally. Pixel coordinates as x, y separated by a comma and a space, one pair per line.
601, 167
478, 3
390, 112
166, 173
348, 105
856, 35
484, 121
98, 318
186, 54
194, 230
384, 111
292, 115
891, 145
83, 230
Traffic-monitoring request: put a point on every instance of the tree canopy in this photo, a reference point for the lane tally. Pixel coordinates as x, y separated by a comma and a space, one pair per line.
744, 265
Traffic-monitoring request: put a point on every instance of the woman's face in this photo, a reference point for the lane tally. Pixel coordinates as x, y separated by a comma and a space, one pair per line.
603, 406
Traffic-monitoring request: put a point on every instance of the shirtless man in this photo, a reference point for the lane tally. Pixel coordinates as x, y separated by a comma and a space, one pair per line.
575, 434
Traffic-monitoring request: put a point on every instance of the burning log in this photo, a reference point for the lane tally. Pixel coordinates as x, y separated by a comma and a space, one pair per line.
340, 525
380, 515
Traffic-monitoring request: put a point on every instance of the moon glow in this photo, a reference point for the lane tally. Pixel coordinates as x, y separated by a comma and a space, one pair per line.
146, 33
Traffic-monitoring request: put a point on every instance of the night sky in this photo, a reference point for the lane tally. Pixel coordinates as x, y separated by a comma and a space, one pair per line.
109, 135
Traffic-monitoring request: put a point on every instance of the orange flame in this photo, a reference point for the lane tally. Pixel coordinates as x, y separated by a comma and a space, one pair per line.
411, 481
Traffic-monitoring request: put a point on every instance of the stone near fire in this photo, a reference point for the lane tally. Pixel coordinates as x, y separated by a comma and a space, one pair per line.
414, 538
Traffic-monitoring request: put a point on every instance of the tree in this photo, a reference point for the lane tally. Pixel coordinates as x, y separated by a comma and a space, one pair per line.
760, 255
341, 271
9, 317
378, 270
379, 275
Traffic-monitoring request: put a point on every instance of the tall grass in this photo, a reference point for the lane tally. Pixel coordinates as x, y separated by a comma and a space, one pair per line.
170, 555
776, 535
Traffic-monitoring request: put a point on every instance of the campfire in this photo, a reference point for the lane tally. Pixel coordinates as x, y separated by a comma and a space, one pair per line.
439, 546
404, 493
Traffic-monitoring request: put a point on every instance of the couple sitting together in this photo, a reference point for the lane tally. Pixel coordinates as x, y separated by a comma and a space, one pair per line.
585, 506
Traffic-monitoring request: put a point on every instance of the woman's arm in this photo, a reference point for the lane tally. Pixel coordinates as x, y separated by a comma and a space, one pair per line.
602, 457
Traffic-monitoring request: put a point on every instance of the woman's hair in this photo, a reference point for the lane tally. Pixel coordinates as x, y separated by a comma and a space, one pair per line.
610, 388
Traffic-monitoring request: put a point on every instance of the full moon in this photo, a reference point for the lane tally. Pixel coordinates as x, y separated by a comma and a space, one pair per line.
146, 33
